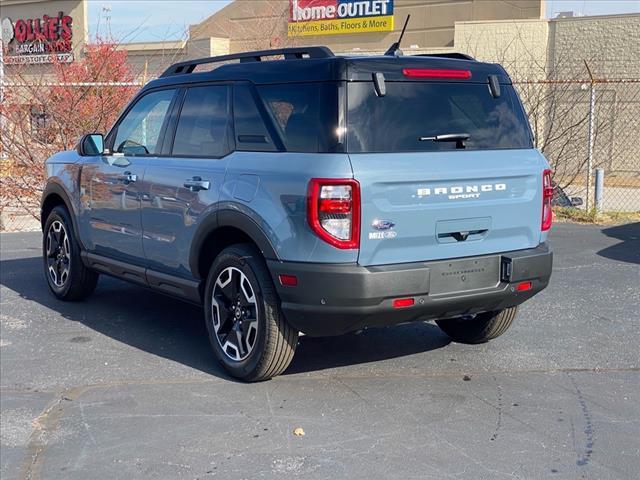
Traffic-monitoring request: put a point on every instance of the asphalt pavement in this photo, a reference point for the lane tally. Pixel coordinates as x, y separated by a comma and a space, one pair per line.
124, 386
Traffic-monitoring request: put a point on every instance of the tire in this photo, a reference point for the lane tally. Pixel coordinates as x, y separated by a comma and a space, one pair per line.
479, 328
246, 327
66, 275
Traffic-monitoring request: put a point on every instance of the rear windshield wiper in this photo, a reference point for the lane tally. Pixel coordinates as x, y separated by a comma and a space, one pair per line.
459, 138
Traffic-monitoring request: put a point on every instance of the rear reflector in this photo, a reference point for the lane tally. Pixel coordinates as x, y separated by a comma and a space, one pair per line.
403, 302
436, 73
335, 206
288, 280
523, 286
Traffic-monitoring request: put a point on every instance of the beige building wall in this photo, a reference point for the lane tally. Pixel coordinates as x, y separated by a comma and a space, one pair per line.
250, 24
557, 48
149, 60
610, 44
521, 46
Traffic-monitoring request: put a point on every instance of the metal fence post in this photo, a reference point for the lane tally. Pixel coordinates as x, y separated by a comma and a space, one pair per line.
592, 115
599, 189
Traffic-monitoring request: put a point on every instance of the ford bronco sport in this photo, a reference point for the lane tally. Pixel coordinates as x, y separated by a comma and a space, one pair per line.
310, 193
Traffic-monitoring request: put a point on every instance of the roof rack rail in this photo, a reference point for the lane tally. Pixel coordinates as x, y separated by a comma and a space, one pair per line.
459, 56
289, 54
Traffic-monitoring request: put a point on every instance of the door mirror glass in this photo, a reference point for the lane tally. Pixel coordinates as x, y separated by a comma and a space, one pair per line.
91, 145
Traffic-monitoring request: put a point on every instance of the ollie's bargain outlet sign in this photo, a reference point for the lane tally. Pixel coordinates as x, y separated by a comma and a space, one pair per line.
38, 40
330, 17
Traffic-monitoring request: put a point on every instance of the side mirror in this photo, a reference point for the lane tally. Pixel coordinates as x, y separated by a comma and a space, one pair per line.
91, 145
576, 201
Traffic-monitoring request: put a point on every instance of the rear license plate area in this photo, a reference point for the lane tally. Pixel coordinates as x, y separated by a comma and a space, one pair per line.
464, 275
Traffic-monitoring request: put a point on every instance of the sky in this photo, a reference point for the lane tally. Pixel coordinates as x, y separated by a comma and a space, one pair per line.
156, 20
148, 20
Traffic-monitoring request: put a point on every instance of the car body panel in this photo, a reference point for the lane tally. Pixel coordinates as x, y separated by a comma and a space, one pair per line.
110, 206
171, 213
279, 204
426, 197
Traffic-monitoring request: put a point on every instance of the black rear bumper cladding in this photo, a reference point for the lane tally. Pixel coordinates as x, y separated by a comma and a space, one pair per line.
332, 299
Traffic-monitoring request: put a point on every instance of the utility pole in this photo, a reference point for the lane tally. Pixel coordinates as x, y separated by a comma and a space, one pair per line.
592, 116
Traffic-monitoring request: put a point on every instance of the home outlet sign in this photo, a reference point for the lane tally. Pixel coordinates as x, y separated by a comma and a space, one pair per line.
38, 40
331, 17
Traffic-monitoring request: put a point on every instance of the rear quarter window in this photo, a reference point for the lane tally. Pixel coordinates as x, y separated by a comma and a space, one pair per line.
413, 110
305, 115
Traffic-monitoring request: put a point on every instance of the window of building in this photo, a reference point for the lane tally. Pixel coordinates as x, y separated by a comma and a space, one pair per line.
40, 124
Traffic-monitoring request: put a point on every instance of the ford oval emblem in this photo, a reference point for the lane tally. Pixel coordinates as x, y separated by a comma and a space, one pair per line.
383, 224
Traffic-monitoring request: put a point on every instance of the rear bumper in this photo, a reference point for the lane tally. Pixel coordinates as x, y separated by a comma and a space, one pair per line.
332, 299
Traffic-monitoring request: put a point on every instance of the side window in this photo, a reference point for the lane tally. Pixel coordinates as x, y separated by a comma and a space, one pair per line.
139, 132
306, 115
251, 132
203, 126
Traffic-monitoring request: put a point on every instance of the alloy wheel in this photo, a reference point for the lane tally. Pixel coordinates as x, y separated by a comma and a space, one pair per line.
235, 314
58, 253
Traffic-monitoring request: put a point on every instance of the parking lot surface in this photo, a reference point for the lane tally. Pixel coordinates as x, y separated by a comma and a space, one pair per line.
124, 386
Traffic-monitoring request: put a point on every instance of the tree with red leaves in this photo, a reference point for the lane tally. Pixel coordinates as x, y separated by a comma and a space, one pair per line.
49, 114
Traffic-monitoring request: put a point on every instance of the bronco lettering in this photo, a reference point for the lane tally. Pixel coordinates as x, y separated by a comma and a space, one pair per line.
462, 191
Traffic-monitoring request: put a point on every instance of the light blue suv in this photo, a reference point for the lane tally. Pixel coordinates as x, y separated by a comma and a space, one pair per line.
310, 193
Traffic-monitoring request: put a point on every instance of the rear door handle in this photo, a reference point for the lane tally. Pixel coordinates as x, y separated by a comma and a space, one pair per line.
196, 184
128, 178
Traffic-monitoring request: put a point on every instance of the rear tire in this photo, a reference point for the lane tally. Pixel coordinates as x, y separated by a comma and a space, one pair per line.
479, 328
67, 277
247, 330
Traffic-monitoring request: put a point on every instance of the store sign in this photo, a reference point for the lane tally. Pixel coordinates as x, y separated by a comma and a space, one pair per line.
39, 40
332, 17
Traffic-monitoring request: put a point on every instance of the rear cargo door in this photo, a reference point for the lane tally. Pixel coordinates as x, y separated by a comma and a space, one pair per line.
473, 190
431, 206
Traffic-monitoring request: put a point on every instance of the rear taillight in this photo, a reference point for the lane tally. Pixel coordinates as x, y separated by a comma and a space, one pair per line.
547, 196
436, 73
333, 211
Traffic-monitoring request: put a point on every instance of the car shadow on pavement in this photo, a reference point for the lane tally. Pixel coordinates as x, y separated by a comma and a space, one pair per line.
175, 330
372, 345
628, 250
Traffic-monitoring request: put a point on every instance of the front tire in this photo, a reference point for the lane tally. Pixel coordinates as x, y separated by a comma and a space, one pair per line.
247, 330
479, 328
66, 275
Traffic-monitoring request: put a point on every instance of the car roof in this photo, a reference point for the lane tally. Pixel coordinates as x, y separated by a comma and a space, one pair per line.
322, 66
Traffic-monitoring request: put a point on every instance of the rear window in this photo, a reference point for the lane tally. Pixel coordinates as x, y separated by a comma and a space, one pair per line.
411, 114
305, 114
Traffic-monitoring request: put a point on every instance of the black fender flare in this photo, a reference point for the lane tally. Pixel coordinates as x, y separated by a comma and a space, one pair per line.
228, 218
59, 190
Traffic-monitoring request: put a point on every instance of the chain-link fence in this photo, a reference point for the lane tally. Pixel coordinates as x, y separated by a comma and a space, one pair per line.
582, 126
39, 118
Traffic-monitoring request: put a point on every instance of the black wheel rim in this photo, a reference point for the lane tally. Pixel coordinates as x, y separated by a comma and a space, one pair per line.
234, 312
58, 254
